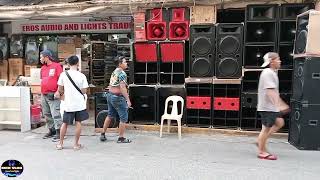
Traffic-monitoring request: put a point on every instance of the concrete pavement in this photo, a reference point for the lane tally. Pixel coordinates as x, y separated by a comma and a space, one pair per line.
195, 157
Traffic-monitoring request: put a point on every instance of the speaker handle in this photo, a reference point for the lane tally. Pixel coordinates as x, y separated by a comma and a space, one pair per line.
313, 122
315, 75
230, 29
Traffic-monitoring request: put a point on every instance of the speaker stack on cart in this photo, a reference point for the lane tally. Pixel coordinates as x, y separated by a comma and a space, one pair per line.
269, 28
201, 66
158, 62
260, 37
304, 120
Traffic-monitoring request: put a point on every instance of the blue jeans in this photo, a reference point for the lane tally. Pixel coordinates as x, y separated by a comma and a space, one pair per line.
117, 105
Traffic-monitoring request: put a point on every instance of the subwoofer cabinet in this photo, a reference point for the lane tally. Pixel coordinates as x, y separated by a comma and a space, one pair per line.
304, 129
306, 79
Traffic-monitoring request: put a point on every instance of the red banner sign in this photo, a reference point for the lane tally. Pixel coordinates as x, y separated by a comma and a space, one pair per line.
75, 27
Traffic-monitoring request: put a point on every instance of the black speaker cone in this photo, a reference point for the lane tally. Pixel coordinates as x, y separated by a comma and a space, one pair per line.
202, 46
201, 66
228, 67
229, 45
301, 42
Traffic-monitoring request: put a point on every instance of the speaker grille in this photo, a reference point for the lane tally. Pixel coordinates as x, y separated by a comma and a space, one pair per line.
202, 46
229, 45
228, 67
301, 42
201, 66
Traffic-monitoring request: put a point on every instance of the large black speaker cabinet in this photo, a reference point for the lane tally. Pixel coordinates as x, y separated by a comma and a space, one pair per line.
306, 79
3, 48
202, 50
165, 91
262, 12
290, 11
307, 33
32, 51
304, 129
229, 50
16, 46
144, 104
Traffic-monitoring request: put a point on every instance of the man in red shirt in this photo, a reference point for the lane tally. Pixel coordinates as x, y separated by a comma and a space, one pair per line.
50, 72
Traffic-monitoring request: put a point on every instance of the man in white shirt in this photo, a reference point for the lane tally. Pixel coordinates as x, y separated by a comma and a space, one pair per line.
74, 100
270, 105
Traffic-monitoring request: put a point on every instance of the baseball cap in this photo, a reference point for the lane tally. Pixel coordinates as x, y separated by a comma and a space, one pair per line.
266, 60
46, 53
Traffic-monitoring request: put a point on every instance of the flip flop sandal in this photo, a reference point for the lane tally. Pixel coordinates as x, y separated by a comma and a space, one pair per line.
59, 147
268, 157
76, 148
124, 140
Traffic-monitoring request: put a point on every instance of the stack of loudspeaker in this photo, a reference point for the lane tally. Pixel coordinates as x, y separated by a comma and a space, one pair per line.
32, 51
268, 28
97, 74
158, 69
305, 122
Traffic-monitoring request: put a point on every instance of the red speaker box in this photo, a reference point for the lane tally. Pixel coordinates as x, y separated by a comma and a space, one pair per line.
179, 24
156, 25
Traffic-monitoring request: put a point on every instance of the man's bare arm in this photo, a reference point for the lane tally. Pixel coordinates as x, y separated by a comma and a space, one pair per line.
124, 91
274, 97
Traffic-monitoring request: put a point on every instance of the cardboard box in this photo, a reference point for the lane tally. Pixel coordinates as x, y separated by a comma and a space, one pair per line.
78, 42
203, 15
27, 69
35, 76
35, 89
65, 40
4, 70
15, 68
66, 50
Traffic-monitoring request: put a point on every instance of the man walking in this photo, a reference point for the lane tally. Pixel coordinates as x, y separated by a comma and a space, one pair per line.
270, 105
118, 100
73, 85
50, 102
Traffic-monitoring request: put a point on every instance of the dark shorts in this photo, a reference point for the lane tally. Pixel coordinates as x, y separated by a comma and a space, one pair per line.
79, 116
117, 107
268, 119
